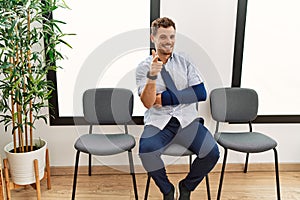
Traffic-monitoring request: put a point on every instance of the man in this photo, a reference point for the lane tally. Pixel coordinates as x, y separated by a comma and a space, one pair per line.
172, 114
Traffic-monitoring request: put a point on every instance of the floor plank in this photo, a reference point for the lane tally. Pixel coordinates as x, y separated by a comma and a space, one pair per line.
237, 186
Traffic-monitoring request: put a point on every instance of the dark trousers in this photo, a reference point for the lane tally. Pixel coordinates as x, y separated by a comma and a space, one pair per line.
195, 137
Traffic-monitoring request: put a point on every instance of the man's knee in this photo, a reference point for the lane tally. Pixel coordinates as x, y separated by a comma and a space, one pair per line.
214, 154
147, 147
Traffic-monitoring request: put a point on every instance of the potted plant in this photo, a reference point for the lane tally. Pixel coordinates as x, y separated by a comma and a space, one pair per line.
24, 88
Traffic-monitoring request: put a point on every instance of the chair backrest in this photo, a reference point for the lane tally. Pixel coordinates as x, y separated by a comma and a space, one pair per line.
234, 104
108, 106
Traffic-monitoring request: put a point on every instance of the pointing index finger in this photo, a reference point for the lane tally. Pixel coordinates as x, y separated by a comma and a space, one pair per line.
154, 56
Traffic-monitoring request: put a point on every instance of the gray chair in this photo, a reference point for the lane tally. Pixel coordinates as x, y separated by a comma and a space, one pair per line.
239, 105
106, 106
178, 150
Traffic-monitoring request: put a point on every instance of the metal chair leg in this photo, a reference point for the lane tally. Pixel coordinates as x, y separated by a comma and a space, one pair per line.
246, 163
133, 174
222, 174
190, 161
147, 187
90, 164
75, 175
207, 188
277, 174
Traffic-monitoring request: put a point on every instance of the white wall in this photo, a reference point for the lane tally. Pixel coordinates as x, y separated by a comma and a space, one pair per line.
193, 20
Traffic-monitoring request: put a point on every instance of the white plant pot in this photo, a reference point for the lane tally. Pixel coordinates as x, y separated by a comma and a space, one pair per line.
21, 165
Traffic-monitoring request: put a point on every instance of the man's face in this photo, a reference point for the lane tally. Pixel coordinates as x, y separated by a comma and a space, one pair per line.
164, 40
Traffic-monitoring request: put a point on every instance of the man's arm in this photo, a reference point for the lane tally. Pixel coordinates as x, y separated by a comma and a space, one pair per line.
189, 95
148, 95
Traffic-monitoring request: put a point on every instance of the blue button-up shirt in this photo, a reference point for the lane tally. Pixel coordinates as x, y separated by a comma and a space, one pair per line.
184, 74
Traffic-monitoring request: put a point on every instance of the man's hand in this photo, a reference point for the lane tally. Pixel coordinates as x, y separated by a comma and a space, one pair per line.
157, 103
156, 65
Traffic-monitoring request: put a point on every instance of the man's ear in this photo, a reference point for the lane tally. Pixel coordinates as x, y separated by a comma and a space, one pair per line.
152, 38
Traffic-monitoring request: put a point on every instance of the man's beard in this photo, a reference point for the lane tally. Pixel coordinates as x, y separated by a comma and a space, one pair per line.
165, 52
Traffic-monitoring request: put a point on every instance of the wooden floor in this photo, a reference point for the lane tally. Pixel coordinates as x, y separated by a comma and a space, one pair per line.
237, 186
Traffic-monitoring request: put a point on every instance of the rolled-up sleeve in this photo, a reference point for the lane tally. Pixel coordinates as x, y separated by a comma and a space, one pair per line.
194, 77
141, 75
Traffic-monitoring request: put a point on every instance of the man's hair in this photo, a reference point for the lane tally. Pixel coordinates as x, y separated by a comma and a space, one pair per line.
161, 22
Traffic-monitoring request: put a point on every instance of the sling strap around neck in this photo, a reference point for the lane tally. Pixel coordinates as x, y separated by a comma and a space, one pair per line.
168, 80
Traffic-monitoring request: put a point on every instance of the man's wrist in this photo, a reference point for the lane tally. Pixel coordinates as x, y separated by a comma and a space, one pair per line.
151, 76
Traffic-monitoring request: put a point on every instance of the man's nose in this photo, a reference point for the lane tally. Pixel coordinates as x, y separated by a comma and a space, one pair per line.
169, 40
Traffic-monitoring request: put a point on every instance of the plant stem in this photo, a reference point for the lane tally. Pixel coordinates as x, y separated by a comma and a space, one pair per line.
13, 111
29, 67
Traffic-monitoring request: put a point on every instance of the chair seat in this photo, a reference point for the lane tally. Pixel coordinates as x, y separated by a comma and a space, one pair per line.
104, 144
248, 142
177, 150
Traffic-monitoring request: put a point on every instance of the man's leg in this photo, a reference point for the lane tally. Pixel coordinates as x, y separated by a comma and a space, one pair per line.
152, 143
200, 141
